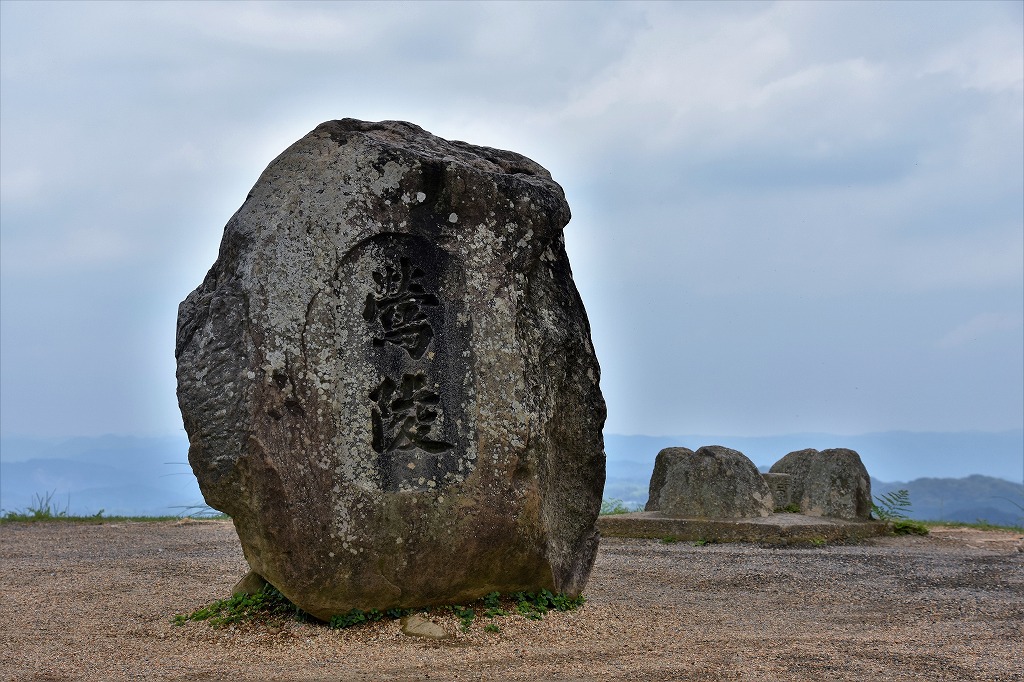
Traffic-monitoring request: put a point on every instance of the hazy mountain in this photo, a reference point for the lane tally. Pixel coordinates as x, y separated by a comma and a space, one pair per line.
151, 476
975, 498
122, 475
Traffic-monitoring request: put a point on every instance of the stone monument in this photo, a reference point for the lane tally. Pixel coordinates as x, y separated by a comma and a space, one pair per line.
387, 376
827, 483
714, 482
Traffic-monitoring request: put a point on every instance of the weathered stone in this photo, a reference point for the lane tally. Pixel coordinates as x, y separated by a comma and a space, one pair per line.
387, 376
778, 484
666, 459
828, 483
714, 482
415, 625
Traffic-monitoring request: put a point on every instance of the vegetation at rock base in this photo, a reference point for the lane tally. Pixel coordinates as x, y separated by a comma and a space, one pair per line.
532, 605
267, 606
908, 527
270, 607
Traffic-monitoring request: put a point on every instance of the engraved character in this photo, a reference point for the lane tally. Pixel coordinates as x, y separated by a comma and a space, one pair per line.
403, 415
397, 304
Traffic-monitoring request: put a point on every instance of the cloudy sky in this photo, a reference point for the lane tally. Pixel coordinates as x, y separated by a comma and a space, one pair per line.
787, 216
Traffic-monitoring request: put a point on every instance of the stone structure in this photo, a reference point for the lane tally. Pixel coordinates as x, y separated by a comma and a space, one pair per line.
778, 484
387, 377
714, 482
828, 483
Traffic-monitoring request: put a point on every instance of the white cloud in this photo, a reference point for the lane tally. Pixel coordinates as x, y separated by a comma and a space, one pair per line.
988, 59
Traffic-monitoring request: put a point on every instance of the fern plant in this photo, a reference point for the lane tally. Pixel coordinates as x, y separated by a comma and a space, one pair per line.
891, 506
894, 509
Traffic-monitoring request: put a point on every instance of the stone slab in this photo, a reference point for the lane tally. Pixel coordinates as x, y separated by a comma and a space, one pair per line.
777, 529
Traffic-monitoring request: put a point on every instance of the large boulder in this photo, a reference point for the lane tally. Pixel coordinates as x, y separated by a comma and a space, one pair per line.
713, 482
667, 459
827, 483
387, 376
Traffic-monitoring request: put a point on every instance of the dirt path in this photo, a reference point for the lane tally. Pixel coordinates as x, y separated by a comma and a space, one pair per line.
94, 602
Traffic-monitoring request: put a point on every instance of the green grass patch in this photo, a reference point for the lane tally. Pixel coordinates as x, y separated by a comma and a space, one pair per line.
908, 527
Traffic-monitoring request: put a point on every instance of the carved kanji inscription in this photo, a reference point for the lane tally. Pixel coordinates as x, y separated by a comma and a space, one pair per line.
397, 305
403, 415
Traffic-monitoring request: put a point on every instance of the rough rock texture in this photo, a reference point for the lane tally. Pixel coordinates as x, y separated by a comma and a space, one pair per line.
714, 482
827, 483
387, 376
666, 459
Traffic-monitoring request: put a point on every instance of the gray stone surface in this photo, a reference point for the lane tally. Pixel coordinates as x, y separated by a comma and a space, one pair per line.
714, 482
828, 483
669, 458
387, 376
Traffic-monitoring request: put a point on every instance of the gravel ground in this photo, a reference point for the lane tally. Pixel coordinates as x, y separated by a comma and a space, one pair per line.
95, 602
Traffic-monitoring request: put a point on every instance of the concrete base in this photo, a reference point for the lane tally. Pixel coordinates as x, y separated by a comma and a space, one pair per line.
777, 529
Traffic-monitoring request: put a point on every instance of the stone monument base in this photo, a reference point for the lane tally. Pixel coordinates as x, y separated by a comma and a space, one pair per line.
777, 529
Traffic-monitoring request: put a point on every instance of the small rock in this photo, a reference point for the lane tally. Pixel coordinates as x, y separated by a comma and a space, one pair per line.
418, 626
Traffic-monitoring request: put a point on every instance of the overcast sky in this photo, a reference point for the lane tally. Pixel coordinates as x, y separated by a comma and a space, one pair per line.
787, 217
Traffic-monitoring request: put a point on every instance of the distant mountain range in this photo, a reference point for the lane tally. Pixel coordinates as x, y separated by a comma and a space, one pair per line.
975, 498
962, 476
121, 475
